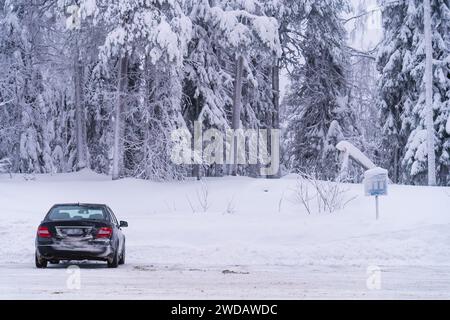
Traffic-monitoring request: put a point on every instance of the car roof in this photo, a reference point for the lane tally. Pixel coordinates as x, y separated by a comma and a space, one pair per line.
81, 204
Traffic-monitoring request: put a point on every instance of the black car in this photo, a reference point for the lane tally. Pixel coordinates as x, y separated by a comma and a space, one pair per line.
80, 232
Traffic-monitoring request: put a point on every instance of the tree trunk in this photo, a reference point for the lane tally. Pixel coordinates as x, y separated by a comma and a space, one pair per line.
396, 165
80, 119
118, 125
276, 111
145, 102
237, 109
197, 135
428, 78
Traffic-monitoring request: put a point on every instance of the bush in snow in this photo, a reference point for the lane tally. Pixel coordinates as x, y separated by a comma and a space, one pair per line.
321, 196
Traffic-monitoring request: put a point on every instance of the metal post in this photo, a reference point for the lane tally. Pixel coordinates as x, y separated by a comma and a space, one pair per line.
376, 205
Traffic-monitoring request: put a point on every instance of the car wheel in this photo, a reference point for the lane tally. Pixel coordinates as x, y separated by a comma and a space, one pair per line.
40, 263
122, 256
114, 262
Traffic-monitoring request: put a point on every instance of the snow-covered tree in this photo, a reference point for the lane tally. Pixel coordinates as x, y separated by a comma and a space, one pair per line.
245, 31
317, 109
232, 50
395, 85
156, 31
79, 24
101, 84
28, 121
401, 62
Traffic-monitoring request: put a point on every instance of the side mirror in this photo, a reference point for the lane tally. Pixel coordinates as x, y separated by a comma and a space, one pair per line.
123, 224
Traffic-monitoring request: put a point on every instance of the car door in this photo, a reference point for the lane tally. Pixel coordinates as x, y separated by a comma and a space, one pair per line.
120, 236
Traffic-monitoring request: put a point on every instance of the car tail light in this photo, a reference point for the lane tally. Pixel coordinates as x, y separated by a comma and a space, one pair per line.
104, 232
43, 232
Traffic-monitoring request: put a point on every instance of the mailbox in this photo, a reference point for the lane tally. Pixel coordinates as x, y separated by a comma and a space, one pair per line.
376, 182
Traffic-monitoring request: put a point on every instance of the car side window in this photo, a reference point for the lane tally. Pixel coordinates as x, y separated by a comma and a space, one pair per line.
113, 217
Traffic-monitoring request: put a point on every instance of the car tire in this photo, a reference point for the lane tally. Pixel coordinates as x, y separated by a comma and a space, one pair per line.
114, 262
122, 256
40, 263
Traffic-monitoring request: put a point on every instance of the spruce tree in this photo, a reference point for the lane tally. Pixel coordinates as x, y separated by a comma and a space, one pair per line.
317, 112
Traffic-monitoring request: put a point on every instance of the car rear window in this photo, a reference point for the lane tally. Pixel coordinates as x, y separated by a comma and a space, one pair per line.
77, 213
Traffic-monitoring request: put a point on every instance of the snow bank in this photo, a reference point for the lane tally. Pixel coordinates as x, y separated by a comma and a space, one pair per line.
254, 225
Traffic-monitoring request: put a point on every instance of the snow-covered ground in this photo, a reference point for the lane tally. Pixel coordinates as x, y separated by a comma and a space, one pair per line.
254, 241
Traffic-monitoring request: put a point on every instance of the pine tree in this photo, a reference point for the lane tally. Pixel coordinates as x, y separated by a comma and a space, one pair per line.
318, 115
401, 63
156, 31
25, 88
394, 85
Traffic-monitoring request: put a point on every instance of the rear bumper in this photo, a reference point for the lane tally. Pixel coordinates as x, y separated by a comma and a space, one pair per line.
67, 251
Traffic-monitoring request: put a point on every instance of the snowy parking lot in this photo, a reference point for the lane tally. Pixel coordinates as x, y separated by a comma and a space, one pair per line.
253, 241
